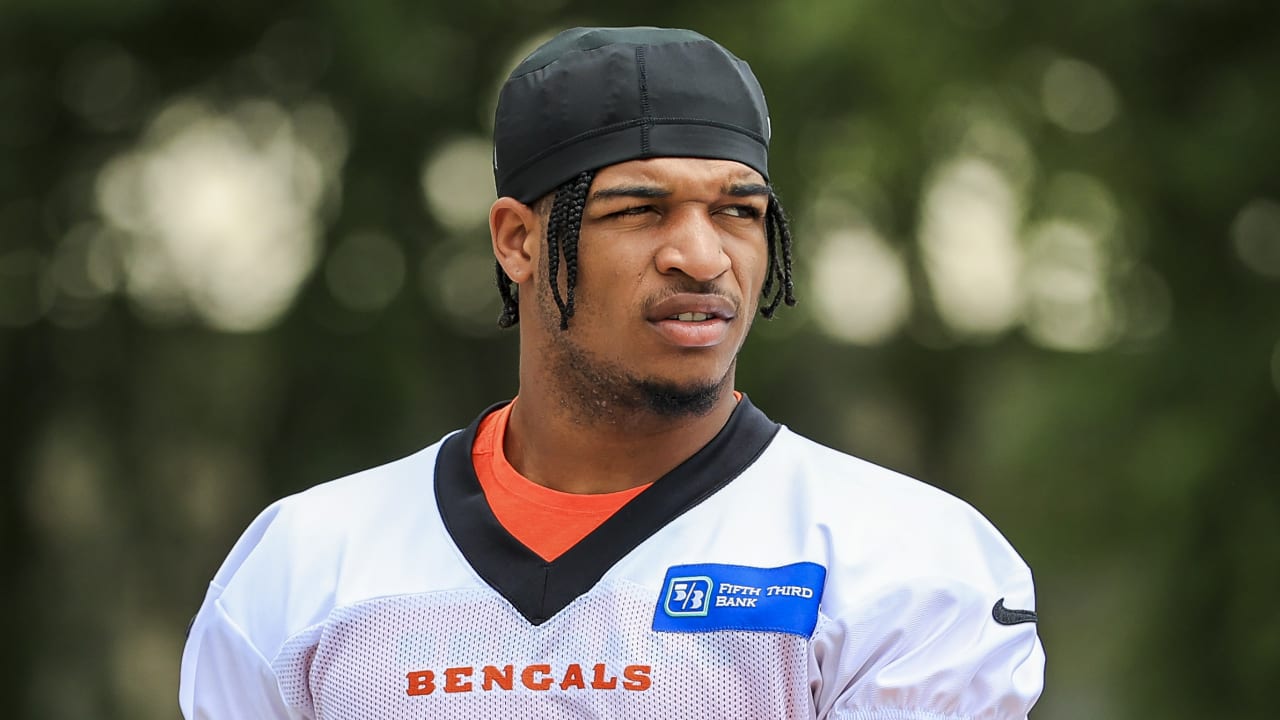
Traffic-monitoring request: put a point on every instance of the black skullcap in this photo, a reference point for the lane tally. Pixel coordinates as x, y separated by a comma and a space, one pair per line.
592, 97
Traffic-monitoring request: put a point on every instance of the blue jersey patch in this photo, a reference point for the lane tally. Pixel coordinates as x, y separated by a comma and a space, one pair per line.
708, 597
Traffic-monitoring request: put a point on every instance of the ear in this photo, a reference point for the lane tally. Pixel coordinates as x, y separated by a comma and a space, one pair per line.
515, 229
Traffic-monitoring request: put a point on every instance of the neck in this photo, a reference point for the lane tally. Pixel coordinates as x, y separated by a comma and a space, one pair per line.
608, 448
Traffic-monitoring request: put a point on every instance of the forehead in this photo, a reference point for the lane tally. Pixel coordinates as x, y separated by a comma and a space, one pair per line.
678, 171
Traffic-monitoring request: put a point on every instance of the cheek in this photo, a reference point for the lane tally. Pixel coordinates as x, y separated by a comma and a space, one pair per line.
610, 274
751, 262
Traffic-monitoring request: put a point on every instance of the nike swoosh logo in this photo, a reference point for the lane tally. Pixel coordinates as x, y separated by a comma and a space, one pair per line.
1006, 616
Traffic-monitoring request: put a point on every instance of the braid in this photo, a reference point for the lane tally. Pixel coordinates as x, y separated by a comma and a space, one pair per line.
770, 230
564, 223
510, 303
778, 237
577, 200
556, 221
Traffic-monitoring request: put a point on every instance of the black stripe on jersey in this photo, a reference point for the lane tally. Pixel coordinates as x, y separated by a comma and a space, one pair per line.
539, 589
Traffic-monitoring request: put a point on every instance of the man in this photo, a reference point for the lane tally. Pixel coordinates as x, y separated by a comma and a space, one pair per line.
630, 537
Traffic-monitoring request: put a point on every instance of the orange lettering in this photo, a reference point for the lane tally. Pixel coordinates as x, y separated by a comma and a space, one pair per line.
573, 678
502, 677
421, 682
636, 677
600, 682
457, 679
526, 677
534, 677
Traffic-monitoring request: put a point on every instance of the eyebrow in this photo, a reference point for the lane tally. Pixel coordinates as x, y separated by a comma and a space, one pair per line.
651, 192
747, 190
631, 191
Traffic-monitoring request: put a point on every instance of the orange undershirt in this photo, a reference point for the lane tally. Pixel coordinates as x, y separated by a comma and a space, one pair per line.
546, 521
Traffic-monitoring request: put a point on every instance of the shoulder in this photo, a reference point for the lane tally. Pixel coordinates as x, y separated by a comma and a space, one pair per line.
350, 503
850, 486
887, 527
914, 579
343, 509
335, 543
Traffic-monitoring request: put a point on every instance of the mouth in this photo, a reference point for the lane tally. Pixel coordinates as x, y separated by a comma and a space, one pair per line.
692, 317
693, 320
692, 307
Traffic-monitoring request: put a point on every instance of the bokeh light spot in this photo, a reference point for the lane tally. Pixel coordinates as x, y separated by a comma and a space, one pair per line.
101, 83
860, 287
218, 211
1067, 304
292, 55
365, 271
457, 182
1255, 233
968, 123
460, 280
971, 254
84, 270
1077, 96
1146, 303
66, 499
1084, 199
84, 266
142, 656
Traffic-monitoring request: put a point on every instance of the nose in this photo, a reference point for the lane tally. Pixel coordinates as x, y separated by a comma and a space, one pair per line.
691, 245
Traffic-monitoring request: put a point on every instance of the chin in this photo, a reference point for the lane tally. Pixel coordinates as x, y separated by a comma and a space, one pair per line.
680, 399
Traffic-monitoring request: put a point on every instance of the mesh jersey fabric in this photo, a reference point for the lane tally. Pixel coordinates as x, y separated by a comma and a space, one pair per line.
353, 600
566, 668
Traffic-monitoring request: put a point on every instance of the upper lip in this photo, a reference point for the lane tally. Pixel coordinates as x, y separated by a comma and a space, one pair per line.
716, 306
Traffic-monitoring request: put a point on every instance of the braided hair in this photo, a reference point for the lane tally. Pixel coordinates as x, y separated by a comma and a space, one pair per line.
564, 223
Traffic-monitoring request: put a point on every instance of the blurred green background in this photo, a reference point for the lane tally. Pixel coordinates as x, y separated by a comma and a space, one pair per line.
243, 251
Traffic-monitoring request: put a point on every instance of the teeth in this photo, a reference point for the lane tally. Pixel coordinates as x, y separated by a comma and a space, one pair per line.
692, 317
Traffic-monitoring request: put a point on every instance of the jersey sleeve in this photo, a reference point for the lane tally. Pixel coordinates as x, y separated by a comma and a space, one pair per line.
225, 676
950, 636
928, 653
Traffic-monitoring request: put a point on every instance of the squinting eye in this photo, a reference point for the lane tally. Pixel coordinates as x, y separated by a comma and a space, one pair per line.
637, 210
749, 212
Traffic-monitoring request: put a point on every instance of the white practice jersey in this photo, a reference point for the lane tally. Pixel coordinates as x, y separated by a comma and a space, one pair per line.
766, 577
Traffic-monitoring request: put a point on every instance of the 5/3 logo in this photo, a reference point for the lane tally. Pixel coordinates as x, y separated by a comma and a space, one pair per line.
688, 596
710, 597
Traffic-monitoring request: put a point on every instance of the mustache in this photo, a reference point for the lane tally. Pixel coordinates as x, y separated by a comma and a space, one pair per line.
693, 287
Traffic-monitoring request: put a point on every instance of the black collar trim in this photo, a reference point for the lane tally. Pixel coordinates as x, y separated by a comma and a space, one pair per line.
539, 589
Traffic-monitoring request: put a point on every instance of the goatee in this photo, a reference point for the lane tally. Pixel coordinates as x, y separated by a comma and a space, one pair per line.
595, 390
670, 401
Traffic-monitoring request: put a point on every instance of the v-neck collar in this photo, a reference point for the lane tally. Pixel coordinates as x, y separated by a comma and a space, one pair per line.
539, 589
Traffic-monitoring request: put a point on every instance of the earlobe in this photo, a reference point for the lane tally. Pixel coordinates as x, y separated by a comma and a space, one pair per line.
513, 226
